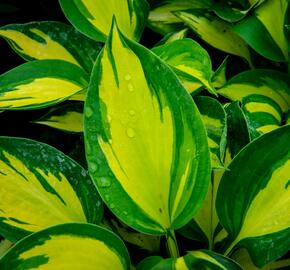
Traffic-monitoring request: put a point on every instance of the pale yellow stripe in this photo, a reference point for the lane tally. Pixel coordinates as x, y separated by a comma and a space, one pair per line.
267, 128
263, 107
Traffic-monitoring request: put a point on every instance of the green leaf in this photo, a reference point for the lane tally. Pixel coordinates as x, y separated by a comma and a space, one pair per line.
242, 257
265, 32
41, 83
214, 118
232, 13
145, 142
94, 17
66, 118
214, 31
253, 197
148, 243
219, 78
51, 40
59, 247
162, 19
40, 187
190, 62
265, 96
201, 260
170, 37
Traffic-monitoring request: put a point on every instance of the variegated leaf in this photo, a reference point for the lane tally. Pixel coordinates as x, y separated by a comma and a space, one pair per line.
265, 96
199, 260
162, 19
233, 13
268, 39
253, 198
51, 40
41, 83
190, 62
68, 246
145, 142
67, 118
41, 187
214, 31
94, 17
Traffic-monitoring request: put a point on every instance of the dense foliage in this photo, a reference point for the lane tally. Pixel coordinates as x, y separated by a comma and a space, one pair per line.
146, 135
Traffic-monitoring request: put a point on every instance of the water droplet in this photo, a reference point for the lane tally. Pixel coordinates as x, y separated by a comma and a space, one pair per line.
128, 77
187, 150
109, 117
93, 167
130, 133
111, 205
132, 112
88, 112
125, 213
130, 87
104, 182
107, 197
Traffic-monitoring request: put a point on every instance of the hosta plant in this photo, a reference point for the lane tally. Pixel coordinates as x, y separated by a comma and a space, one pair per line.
187, 158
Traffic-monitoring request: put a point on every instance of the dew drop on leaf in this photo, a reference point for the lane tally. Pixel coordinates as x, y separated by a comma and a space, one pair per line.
104, 182
88, 112
130, 133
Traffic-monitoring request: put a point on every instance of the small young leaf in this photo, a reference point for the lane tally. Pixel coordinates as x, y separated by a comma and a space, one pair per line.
67, 118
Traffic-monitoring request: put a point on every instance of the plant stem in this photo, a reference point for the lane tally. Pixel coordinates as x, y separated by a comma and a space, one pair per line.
172, 244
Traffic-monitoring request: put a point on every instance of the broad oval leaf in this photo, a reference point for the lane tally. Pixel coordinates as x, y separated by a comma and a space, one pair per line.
214, 31
265, 96
66, 118
145, 141
68, 246
40, 187
51, 40
190, 62
268, 39
94, 17
194, 260
253, 197
41, 83
162, 19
